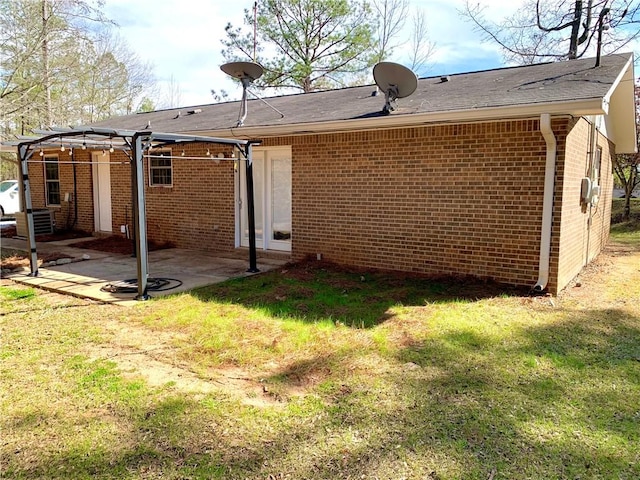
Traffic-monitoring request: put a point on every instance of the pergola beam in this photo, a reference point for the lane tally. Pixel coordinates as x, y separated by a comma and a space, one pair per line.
136, 142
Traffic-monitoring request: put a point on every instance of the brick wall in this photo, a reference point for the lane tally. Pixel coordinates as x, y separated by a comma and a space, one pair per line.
197, 211
584, 230
454, 199
446, 199
65, 213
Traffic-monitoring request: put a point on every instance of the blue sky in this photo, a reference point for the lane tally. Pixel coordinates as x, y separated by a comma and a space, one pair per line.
181, 38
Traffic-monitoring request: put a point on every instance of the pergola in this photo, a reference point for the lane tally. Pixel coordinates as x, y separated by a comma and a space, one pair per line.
134, 144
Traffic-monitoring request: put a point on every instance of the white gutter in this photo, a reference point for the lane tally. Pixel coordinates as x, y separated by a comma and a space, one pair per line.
592, 106
547, 206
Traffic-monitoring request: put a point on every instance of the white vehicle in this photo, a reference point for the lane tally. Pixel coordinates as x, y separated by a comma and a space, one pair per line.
9, 197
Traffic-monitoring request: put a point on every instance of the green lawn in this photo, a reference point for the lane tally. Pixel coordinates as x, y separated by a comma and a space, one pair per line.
314, 372
626, 232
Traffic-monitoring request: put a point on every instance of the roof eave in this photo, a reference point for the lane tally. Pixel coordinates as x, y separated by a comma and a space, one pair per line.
621, 121
592, 106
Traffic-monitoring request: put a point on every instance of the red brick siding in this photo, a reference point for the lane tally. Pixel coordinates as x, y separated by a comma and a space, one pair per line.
198, 211
581, 240
64, 214
447, 199
454, 199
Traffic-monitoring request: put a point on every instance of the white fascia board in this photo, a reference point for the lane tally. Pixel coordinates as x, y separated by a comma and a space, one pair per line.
593, 106
625, 74
620, 121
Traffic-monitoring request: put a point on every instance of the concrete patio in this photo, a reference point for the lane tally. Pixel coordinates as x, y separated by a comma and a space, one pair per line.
94, 276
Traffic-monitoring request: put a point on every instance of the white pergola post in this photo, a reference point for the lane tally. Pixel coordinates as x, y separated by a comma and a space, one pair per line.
139, 216
27, 207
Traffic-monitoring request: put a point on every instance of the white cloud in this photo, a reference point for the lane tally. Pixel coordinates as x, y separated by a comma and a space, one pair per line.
182, 39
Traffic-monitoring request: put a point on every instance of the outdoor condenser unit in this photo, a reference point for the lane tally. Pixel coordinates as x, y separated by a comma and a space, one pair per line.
42, 222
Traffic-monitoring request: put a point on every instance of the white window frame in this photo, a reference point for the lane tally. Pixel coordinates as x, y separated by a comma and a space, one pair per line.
164, 152
47, 161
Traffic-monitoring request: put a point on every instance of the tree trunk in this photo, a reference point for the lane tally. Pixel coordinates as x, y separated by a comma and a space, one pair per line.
628, 191
575, 31
45, 63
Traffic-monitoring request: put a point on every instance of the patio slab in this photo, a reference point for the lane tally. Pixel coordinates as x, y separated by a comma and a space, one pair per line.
94, 278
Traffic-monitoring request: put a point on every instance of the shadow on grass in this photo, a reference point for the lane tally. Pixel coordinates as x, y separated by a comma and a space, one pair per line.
559, 401
319, 291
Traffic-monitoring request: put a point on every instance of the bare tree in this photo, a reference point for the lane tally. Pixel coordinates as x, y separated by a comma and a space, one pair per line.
392, 17
421, 48
560, 29
172, 94
62, 65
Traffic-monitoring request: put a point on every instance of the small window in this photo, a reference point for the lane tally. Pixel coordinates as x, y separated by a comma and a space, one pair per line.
160, 169
52, 179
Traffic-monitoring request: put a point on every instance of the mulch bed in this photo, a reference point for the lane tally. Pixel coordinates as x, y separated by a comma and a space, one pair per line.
110, 244
116, 244
8, 232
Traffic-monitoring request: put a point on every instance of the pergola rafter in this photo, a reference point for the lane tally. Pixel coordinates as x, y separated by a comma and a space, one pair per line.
134, 144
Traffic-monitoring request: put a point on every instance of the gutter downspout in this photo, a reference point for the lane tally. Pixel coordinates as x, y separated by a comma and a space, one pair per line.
547, 206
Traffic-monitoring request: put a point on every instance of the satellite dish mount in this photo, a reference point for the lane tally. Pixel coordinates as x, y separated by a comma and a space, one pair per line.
246, 72
396, 81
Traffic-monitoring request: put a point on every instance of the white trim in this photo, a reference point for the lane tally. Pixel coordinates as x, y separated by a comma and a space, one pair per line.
593, 106
46, 181
264, 154
616, 82
547, 203
157, 153
101, 197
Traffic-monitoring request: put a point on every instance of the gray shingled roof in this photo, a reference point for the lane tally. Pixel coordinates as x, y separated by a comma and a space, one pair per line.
541, 84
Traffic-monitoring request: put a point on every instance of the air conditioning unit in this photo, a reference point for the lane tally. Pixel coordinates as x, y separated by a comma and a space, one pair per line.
42, 222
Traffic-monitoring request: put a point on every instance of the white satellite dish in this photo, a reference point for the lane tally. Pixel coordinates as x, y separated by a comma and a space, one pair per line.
241, 70
396, 81
247, 72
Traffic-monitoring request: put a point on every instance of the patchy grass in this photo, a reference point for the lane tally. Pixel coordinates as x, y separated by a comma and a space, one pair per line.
400, 379
323, 373
625, 232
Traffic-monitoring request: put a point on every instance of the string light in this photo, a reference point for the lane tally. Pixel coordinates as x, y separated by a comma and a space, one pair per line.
84, 142
41, 153
111, 145
70, 151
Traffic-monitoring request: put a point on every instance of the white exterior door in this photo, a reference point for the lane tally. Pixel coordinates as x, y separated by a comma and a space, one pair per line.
272, 199
101, 191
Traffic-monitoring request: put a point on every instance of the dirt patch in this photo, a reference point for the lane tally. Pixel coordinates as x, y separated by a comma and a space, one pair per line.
617, 263
18, 259
153, 357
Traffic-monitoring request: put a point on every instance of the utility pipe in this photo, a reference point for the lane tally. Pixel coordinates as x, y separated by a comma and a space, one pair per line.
547, 205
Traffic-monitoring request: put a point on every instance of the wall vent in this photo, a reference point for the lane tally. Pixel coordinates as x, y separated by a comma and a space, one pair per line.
42, 222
